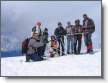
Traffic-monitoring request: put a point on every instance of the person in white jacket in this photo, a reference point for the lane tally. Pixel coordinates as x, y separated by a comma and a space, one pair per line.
70, 38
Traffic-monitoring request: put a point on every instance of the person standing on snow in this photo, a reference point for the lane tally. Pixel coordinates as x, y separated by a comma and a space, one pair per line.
89, 28
77, 37
70, 38
59, 33
45, 39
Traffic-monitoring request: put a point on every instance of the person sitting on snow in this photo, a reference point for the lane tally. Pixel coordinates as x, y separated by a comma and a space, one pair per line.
54, 46
34, 47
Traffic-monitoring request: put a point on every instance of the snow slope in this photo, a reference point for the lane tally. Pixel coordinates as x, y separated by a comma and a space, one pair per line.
69, 65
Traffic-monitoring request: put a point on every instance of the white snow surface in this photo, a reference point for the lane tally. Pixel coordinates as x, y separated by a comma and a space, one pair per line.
68, 65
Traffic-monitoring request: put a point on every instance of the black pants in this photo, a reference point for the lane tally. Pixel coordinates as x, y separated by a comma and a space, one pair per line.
61, 44
44, 48
41, 50
77, 43
27, 57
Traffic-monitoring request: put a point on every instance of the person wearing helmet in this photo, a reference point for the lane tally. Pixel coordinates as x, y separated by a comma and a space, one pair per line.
89, 28
70, 38
60, 32
77, 36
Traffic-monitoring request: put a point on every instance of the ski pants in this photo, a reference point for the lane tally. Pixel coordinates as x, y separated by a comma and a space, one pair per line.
77, 43
35, 57
88, 41
70, 43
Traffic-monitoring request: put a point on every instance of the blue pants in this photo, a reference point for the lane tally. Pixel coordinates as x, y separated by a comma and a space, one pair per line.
88, 41
70, 43
35, 57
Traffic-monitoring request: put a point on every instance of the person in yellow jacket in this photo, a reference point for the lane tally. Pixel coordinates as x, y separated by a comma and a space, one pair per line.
54, 46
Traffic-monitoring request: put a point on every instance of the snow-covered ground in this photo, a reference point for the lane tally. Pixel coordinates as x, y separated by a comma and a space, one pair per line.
69, 65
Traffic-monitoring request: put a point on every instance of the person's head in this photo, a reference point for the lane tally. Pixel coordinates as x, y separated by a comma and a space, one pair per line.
38, 24
68, 23
85, 16
59, 24
35, 35
77, 22
45, 30
53, 37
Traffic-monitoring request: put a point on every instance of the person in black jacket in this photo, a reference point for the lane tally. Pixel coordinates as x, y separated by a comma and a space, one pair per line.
77, 37
59, 33
89, 28
45, 39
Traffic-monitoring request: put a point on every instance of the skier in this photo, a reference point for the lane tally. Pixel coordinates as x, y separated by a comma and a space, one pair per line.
34, 47
45, 39
60, 32
89, 28
70, 38
77, 37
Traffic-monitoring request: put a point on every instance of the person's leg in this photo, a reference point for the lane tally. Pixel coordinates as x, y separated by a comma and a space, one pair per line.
68, 45
59, 46
62, 38
62, 45
75, 43
90, 46
86, 41
27, 58
72, 45
36, 57
79, 43
40, 52
44, 48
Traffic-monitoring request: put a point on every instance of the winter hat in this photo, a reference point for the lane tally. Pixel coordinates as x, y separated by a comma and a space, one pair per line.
85, 15
46, 29
59, 23
77, 21
38, 23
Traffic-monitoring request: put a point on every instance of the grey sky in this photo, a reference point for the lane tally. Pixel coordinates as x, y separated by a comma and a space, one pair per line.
18, 17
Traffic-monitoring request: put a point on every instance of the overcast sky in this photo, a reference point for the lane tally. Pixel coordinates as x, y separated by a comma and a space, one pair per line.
18, 17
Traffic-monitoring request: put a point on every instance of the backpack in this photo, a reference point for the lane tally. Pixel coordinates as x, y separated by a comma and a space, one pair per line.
25, 45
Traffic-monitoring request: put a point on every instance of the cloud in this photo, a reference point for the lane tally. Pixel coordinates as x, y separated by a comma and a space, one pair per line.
18, 17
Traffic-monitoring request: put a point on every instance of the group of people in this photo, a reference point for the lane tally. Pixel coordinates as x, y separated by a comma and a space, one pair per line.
35, 46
